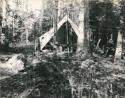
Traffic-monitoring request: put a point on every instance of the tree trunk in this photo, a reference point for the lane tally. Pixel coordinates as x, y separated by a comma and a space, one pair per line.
26, 29
118, 53
123, 45
0, 29
41, 15
86, 24
81, 29
1, 18
27, 35
83, 38
55, 19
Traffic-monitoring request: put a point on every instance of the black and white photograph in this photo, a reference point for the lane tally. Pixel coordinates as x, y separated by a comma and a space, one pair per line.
62, 48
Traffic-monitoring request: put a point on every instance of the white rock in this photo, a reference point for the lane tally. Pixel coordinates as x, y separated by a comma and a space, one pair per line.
14, 64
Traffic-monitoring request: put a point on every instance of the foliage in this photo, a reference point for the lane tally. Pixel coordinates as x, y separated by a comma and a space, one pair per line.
104, 22
63, 75
94, 77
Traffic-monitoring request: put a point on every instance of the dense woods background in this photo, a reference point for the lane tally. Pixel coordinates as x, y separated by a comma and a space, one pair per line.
95, 71
21, 25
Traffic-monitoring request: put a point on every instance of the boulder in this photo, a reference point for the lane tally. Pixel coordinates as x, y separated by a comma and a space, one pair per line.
14, 64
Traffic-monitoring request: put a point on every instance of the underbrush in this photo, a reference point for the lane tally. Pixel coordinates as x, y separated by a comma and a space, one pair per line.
91, 77
69, 75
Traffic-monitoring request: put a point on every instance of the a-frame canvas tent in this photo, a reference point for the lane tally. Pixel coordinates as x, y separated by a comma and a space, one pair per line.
45, 38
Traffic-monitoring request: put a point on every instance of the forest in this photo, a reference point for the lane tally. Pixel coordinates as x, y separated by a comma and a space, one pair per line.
62, 49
